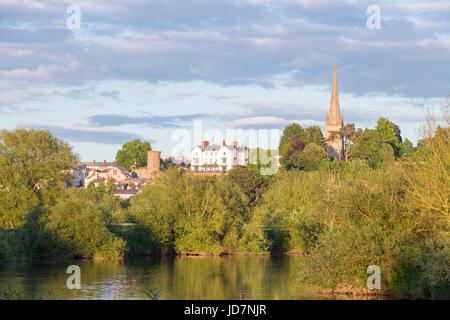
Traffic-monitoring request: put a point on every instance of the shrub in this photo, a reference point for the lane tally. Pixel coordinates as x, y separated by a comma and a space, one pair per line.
80, 225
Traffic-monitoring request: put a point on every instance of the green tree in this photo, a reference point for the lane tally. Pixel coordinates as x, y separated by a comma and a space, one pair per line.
34, 165
251, 182
133, 153
407, 148
291, 132
390, 133
79, 226
314, 135
370, 146
296, 160
349, 133
260, 158
313, 155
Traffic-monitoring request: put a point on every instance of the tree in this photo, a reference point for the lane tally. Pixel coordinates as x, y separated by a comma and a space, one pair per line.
313, 155
34, 164
349, 133
370, 146
390, 133
260, 158
296, 160
294, 131
291, 132
314, 135
407, 148
291, 147
251, 182
133, 153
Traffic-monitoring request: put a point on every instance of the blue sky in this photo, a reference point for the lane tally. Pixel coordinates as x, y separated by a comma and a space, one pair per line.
149, 69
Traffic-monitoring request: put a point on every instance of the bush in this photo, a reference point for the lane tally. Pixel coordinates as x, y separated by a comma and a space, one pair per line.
292, 211
192, 214
423, 271
80, 226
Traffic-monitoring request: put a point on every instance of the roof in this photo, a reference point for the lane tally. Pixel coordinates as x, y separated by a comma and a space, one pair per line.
215, 147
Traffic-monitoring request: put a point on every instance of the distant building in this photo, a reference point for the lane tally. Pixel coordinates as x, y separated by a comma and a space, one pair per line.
95, 172
333, 123
103, 171
218, 158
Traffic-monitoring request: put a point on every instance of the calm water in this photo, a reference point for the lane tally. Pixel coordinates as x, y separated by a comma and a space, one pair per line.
236, 277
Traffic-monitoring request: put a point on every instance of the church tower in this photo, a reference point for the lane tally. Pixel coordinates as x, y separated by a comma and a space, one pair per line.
333, 123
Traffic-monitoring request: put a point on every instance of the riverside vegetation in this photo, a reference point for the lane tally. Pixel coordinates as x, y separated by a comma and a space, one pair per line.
386, 205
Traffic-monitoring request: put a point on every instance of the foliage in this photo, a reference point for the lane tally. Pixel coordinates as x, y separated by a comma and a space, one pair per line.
294, 131
291, 211
192, 214
313, 155
34, 164
370, 146
251, 182
390, 133
407, 148
133, 153
422, 272
8, 291
80, 225
260, 158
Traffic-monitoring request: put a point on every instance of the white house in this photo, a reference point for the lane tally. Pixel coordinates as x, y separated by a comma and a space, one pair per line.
218, 158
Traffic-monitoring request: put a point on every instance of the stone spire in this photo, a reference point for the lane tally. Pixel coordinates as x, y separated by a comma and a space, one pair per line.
333, 123
334, 116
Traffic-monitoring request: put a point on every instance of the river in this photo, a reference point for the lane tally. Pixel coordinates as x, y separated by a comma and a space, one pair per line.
230, 277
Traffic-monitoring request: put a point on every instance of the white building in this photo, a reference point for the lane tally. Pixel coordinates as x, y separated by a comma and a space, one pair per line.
218, 158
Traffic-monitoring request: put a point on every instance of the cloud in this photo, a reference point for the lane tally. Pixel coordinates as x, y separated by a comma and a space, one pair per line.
229, 42
270, 123
153, 121
87, 134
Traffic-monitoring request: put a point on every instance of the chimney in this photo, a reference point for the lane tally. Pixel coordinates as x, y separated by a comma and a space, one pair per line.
224, 143
236, 144
93, 161
205, 144
104, 161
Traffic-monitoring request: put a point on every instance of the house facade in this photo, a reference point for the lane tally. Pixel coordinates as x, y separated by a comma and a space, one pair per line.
126, 185
218, 158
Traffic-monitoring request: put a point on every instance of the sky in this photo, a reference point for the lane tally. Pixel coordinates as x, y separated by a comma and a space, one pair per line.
176, 72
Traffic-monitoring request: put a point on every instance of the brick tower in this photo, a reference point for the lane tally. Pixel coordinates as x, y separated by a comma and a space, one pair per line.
153, 161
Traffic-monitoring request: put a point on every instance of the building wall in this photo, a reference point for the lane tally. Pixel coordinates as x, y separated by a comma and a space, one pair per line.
223, 157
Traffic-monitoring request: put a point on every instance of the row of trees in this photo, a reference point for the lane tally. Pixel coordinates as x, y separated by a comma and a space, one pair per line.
343, 215
304, 149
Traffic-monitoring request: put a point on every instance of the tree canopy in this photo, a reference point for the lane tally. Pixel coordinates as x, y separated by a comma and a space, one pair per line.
294, 131
34, 163
390, 133
133, 153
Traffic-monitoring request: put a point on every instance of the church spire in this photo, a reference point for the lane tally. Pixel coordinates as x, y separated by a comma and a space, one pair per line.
334, 114
333, 123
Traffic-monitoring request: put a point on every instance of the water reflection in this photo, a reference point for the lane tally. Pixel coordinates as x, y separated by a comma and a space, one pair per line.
237, 277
